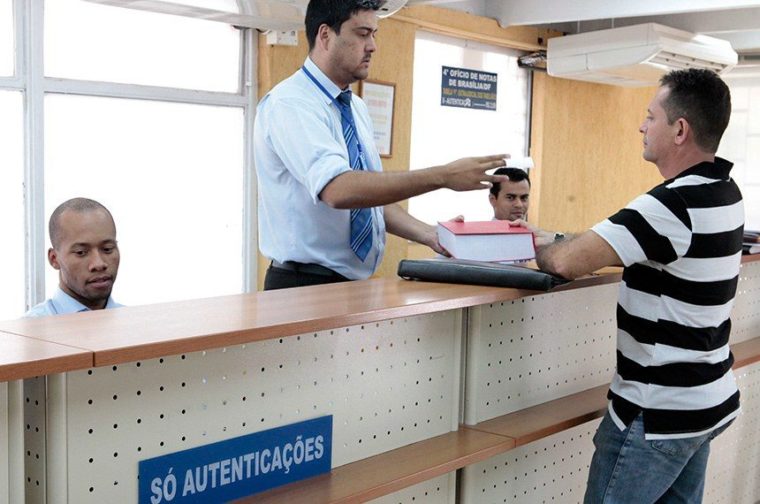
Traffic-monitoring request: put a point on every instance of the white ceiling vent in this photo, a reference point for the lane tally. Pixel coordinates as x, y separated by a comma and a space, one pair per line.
635, 55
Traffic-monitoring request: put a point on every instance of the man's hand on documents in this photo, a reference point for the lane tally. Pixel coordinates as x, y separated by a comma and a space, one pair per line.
435, 244
543, 238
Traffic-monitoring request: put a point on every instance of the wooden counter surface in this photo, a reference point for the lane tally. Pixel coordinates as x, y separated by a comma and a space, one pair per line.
27, 357
143, 332
750, 258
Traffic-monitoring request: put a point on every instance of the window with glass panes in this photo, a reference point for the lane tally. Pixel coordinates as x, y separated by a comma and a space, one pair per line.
146, 113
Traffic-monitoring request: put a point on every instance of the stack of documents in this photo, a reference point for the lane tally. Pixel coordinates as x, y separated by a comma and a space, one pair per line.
493, 241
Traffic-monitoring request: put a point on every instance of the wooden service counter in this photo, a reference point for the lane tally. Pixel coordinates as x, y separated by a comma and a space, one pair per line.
421, 380
24, 358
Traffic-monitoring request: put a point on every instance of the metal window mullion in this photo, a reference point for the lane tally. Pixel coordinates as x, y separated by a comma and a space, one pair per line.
19, 14
16, 460
249, 87
31, 18
141, 92
12, 83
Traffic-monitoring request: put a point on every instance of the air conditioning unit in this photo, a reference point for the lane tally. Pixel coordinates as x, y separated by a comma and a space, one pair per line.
635, 55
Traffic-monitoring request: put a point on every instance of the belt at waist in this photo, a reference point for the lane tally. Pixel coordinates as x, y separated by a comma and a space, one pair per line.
312, 269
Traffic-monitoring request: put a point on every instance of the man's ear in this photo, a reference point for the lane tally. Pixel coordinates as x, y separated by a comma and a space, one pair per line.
492, 199
683, 131
324, 34
53, 258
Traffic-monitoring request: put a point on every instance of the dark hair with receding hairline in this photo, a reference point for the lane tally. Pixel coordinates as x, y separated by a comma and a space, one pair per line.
333, 13
514, 174
75, 205
702, 98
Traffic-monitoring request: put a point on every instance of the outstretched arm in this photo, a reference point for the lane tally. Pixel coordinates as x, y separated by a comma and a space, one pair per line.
577, 256
359, 189
400, 223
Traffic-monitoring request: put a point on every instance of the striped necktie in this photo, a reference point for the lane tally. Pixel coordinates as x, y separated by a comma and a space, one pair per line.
361, 218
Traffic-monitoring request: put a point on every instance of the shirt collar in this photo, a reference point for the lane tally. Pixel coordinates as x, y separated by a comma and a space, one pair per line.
63, 303
719, 169
323, 79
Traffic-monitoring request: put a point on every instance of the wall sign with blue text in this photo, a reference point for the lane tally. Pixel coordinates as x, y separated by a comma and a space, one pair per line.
461, 87
227, 470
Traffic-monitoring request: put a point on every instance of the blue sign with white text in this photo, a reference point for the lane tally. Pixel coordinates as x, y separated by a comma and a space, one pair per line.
238, 467
467, 88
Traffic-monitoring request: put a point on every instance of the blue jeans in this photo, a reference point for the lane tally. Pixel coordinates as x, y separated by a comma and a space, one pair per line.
626, 468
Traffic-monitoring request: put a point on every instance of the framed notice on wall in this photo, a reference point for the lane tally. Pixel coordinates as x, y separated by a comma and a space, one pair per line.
379, 97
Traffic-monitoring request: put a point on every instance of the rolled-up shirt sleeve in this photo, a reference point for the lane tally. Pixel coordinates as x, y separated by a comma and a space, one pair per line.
312, 154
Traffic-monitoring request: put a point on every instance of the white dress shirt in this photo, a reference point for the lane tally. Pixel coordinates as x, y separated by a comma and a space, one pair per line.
298, 149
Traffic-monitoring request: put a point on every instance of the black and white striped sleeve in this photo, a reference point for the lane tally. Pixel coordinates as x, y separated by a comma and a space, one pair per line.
653, 227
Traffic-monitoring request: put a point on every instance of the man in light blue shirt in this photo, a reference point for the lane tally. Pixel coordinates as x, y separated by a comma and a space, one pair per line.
85, 253
309, 186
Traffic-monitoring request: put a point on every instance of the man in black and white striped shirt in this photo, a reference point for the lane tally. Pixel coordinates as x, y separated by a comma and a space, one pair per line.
681, 246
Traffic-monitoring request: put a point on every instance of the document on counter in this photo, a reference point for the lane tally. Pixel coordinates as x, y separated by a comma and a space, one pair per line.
492, 241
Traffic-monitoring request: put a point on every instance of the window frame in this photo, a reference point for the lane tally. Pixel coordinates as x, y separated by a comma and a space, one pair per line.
416, 208
29, 78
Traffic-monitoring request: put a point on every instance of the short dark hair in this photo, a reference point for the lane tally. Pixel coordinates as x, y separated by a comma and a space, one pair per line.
514, 174
702, 98
75, 205
333, 13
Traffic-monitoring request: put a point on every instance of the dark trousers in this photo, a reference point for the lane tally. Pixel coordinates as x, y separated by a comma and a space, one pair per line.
293, 274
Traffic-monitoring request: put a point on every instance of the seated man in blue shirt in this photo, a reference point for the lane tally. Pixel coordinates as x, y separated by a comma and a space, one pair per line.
86, 255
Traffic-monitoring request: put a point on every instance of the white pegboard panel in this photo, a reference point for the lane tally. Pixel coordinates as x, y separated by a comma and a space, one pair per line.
34, 439
734, 464
555, 469
11, 442
535, 349
551, 470
441, 490
387, 384
4, 439
745, 316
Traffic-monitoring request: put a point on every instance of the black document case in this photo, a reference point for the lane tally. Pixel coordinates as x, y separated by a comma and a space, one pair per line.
478, 273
